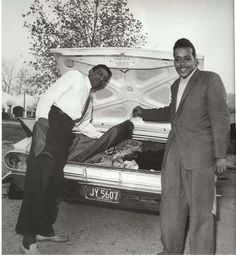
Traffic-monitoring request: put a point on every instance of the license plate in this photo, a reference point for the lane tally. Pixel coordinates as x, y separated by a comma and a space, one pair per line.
103, 194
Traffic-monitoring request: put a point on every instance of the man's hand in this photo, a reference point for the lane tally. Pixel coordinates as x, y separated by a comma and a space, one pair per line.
137, 111
220, 166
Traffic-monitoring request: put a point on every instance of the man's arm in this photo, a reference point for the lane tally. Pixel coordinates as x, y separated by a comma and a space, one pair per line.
55, 91
160, 114
88, 129
219, 120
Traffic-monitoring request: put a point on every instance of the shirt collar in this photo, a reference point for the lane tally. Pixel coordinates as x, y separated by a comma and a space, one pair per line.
88, 84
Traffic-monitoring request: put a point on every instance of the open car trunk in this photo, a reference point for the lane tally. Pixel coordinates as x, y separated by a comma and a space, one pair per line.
139, 77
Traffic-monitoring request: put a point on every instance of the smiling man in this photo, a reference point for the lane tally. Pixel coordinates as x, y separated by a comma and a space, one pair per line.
195, 151
64, 106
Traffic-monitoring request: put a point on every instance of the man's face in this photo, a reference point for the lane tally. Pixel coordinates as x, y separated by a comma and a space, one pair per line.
98, 78
184, 61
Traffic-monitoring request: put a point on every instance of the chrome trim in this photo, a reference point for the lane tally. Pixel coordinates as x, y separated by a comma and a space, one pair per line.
118, 178
124, 179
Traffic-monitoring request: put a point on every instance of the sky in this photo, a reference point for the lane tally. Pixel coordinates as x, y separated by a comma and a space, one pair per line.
209, 24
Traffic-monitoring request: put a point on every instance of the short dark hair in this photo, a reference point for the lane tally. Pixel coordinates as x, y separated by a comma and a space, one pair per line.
104, 67
184, 43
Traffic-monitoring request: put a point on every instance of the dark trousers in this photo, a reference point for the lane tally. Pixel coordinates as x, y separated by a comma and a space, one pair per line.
44, 178
186, 193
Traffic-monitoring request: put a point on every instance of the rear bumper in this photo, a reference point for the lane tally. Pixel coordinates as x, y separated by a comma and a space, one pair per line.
113, 177
134, 200
134, 195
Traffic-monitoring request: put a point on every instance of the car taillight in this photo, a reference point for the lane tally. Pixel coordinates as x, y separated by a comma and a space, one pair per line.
15, 160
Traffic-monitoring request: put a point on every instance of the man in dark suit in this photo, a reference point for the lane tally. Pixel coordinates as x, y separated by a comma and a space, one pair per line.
195, 151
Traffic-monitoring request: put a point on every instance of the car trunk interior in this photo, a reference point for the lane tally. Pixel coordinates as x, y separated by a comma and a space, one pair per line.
129, 154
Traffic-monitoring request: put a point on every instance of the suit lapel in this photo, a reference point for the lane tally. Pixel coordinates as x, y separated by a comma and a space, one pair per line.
187, 90
174, 95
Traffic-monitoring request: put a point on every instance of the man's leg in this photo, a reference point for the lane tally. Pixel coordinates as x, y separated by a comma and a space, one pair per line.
174, 207
49, 210
201, 193
59, 138
37, 179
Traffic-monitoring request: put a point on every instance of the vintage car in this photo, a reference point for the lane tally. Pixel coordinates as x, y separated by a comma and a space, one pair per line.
140, 77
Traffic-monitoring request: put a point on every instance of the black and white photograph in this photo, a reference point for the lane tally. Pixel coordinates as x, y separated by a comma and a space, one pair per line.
118, 127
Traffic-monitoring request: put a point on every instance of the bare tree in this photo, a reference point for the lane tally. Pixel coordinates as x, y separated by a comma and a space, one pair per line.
17, 80
8, 76
24, 80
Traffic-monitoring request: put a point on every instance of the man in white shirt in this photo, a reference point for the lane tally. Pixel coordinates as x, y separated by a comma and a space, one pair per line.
65, 105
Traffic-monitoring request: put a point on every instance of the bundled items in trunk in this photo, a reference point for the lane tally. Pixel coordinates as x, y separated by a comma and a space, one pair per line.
84, 147
129, 154
115, 156
115, 148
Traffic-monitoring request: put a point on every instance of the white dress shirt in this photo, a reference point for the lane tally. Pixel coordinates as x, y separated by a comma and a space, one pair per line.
84, 126
70, 93
182, 85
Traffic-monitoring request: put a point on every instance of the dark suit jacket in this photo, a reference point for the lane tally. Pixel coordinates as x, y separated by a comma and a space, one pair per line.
201, 124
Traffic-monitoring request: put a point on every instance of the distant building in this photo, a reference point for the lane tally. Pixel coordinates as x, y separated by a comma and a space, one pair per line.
8, 101
23, 105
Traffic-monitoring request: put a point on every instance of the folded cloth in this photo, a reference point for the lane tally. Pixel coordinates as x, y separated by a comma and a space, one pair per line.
80, 143
111, 138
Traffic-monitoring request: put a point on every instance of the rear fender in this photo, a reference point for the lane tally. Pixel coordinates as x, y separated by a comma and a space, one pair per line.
14, 178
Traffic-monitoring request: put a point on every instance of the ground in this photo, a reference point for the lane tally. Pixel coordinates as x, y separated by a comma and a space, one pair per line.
100, 230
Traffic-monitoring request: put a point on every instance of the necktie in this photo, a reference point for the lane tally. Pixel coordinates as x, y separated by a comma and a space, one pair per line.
85, 108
